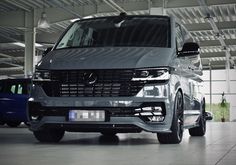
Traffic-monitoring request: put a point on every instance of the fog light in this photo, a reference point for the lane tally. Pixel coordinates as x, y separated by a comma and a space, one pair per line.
154, 114
149, 109
156, 118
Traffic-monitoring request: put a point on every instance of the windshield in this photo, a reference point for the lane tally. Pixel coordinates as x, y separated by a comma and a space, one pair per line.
145, 31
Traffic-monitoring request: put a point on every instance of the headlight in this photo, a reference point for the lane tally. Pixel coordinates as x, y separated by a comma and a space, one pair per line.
151, 74
42, 75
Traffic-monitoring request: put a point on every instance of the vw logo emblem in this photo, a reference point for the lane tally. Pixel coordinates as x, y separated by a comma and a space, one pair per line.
89, 78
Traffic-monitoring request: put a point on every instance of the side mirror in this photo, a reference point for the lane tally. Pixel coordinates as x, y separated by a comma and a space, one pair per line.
208, 115
189, 49
45, 52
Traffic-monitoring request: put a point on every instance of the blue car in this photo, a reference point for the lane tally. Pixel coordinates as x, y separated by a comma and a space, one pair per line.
14, 94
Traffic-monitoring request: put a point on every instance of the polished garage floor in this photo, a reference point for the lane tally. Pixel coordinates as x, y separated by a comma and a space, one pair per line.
218, 147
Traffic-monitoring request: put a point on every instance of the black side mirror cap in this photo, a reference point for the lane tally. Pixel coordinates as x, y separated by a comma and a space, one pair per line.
208, 116
45, 52
189, 49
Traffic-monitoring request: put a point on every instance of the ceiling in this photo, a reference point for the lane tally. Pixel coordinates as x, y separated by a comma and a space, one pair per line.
212, 23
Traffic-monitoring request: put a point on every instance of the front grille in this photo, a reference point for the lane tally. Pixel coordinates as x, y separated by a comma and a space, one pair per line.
109, 83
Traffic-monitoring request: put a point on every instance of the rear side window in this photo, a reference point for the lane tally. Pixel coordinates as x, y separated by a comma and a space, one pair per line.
16, 88
13, 89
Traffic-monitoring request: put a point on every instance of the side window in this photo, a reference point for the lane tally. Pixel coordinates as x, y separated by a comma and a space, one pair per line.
20, 89
13, 89
179, 37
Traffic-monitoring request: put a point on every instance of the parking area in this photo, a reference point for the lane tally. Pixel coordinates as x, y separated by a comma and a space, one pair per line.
217, 147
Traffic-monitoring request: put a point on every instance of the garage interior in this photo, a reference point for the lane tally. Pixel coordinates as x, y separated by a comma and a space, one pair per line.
211, 23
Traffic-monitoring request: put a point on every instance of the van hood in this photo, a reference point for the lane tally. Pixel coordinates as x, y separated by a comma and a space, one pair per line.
106, 58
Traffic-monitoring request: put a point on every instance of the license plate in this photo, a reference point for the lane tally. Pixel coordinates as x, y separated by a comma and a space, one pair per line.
85, 115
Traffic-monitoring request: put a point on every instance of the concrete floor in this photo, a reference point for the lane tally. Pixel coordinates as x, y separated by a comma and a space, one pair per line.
217, 147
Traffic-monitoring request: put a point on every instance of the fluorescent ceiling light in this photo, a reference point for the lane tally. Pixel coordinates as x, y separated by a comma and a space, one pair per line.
23, 45
19, 44
38, 45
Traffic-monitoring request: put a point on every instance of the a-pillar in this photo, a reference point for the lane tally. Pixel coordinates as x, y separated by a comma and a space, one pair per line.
30, 34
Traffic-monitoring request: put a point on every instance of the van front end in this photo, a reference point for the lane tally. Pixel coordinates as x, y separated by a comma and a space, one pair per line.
115, 100
119, 74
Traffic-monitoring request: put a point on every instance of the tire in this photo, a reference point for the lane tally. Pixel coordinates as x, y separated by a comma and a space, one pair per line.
177, 128
108, 133
201, 129
49, 135
13, 123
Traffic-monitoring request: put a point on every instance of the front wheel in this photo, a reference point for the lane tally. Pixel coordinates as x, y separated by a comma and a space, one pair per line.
108, 133
49, 135
13, 123
177, 128
200, 130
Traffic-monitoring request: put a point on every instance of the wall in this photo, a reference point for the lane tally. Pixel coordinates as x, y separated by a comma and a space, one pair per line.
219, 85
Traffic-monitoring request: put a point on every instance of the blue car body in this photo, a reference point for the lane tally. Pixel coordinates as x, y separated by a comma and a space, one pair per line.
14, 94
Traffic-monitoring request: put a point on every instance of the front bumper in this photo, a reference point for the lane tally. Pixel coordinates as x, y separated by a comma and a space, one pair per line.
124, 114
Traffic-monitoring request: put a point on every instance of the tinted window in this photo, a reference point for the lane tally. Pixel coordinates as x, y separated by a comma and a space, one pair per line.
132, 31
15, 88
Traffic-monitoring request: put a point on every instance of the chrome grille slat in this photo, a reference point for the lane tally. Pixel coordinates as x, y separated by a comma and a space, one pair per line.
110, 83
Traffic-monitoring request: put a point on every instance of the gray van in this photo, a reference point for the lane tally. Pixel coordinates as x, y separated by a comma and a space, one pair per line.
119, 74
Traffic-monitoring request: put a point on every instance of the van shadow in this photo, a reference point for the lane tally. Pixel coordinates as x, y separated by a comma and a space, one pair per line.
109, 140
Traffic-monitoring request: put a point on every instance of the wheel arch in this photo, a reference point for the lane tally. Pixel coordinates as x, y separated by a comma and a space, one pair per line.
179, 89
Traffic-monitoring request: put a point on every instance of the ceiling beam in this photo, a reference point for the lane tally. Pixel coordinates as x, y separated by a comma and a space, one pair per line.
206, 26
17, 4
12, 64
12, 19
114, 5
5, 55
57, 14
53, 2
208, 14
216, 42
12, 60
192, 3
216, 54
16, 38
16, 68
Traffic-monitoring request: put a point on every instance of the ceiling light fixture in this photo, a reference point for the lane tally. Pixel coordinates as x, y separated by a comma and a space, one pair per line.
43, 22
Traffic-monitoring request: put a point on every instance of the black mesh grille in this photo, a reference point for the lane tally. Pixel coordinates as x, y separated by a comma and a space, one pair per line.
109, 83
